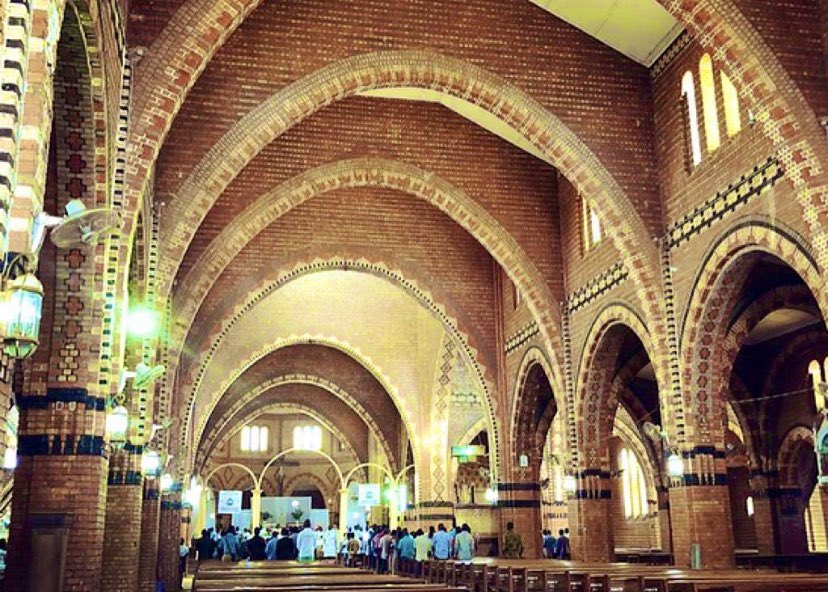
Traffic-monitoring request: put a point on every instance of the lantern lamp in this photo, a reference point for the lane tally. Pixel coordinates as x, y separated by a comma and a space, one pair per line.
675, 466
20, 311
166, 482
142, 322
117, 423
150, 463
10, 459
570, 484
491, 495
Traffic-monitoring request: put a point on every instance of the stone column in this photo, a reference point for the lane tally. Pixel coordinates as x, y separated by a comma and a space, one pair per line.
124, 502
590, 518
150, 524
256, 508
520, 503
169, 535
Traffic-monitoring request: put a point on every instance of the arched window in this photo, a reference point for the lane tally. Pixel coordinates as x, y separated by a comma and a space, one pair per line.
254, 438
733, 118
591, 224
688, 93
307, 437
633, 484
708, 91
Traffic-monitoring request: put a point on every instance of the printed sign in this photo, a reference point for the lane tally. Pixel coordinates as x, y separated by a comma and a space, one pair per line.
229, 502
369, 495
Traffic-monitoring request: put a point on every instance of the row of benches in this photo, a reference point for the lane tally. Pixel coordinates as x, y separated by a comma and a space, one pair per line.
499, 575
291, 576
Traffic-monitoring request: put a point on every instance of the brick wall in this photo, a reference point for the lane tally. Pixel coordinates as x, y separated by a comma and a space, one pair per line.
150, 524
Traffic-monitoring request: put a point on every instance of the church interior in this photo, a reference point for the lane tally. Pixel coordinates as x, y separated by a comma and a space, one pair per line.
521, 265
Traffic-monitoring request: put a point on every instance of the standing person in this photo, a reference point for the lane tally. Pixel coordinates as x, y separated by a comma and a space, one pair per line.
441, 543
512, 543
406, 550
562, 545
386, 547
353, 549
183, 553
329, 539
205, 546
285, 547
306, 543
229, 545
422, 549
270, 547
256, 546
464, 544
549, 545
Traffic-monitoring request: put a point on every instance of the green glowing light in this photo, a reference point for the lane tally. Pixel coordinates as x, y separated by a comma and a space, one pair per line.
142, 322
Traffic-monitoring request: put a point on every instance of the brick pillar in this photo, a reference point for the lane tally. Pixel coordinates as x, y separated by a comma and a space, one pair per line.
700, 514
124, 503
793, 538
520, 503
150, 523
169, 535
665, 529
590, 518
763, 512
59, 489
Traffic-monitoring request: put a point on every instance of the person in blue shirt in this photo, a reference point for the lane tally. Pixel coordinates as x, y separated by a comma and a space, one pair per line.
441, 543
406, 551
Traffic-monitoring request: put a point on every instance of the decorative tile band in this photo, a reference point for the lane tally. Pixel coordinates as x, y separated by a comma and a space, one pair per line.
150, 494
62, 395
669, 54
521, 503
46, 445
521, 486
124, 478
521, 337
753, 183
599, 285
173, 506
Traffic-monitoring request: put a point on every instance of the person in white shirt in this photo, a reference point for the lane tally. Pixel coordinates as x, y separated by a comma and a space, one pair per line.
306, 543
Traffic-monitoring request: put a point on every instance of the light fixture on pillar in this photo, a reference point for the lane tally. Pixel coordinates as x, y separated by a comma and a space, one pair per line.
570, 484
21, 303
117, 424
166, 482
150, 463
675, 465
491, 495
10, 459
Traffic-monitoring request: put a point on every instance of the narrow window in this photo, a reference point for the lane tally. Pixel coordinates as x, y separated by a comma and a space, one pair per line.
749, 506
688, 92
633, 485
245, 439
733, 118
626, 482
711, 115
307, 437
591, 225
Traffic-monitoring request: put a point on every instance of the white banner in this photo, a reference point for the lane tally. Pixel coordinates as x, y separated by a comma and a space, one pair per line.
229, 502
369, 495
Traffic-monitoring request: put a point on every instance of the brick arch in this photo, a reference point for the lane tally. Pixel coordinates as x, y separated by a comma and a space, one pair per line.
220, 436
409, 279
528, 435
713, 298
592, 410
298, 264
816, 336
798, 439
781, 110
328, 490
190, 428
412, 69
208, 440
361, 172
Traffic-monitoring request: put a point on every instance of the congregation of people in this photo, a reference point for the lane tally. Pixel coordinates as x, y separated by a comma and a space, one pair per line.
377, 547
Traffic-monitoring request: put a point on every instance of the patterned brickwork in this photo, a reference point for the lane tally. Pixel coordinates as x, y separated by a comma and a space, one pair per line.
150, 524
169, 533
